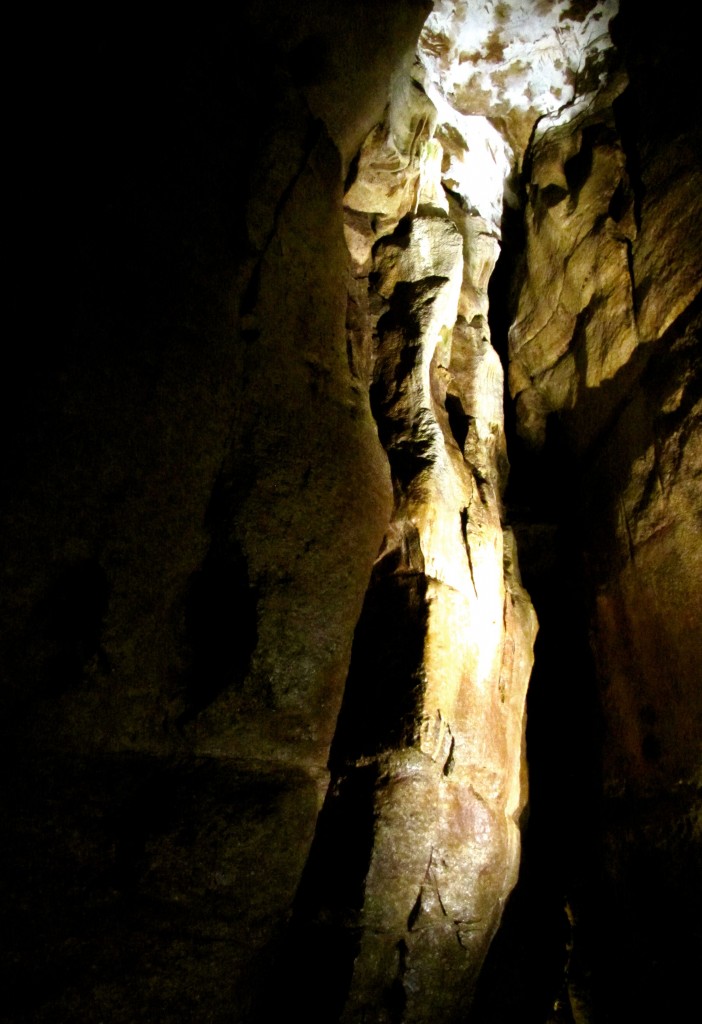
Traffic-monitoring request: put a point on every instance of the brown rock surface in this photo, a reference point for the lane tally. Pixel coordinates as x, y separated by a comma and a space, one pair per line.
193, 466
575, 325
515, 61
428, 753
608, 391
194, 493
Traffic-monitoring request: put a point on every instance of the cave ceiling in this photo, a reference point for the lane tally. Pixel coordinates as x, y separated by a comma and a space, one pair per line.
514, 61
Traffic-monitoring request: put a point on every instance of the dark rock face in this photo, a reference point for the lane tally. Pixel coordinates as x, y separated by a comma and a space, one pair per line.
161, 882
194, 501
202, 469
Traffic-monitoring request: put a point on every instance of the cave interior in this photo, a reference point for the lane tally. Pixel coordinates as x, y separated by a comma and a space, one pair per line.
352, 519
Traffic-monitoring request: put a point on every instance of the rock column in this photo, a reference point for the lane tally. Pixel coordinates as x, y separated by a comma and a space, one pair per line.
418, 843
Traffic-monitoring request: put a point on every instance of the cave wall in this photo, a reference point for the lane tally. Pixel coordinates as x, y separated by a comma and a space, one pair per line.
417, 846
605, 372
194, 495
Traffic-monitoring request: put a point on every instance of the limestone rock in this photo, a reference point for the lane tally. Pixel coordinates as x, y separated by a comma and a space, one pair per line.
516, 61
393, 157
432, 249
647, 480
442, 655
195, 491
607, 390
163, 533
575, 326
671, 225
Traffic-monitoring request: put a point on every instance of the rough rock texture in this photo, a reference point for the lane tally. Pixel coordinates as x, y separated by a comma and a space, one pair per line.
605, 367
604, 275
427, 761
162, 882
602, 342
194, 494
575, 325
515, 61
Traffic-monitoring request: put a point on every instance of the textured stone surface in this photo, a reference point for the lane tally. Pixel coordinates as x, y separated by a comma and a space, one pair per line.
193, 463
608, 395
591, 295
194, 493
516, 61
387, 175
575, 325
643, 544
428, 753
647, 478
167, 881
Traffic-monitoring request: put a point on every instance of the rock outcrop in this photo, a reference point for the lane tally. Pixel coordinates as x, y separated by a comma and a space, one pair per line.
605, 370
265, 643
427, 760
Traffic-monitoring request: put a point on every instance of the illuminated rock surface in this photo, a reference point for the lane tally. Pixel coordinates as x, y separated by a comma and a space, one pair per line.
262, 554
428, 752
518, 60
